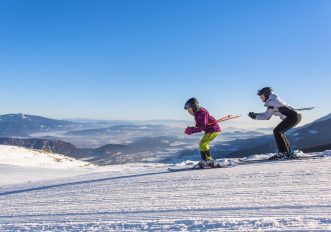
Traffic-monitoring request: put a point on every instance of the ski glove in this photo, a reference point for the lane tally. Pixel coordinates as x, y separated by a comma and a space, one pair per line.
188, 131
252, 115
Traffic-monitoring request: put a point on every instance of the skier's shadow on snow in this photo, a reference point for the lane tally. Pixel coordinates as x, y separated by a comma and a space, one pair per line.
78, 183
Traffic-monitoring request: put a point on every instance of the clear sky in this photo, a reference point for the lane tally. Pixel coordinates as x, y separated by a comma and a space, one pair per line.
142, 59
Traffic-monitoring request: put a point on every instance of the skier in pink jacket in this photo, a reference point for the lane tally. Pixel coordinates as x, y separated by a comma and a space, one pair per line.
204, 122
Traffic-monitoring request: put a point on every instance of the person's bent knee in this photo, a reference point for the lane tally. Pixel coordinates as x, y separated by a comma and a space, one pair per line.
204, 147
277, 132
201, 145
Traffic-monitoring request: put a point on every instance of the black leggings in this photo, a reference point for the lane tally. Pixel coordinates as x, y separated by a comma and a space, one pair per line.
291, 120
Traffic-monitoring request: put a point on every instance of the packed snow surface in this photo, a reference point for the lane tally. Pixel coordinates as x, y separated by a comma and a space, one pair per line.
292, 195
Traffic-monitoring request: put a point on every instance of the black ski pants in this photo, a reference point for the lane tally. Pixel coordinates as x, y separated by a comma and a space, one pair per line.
291, 120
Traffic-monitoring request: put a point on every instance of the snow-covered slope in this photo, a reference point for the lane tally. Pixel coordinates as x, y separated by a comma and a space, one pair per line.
20, 156
289, 195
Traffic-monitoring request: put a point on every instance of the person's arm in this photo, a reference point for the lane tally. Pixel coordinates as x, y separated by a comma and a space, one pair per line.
269, 112
201, 123
266, 115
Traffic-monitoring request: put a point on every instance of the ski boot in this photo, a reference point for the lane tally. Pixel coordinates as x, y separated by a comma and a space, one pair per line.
278, 156
212, 163
201, 164
282, 156
291, 155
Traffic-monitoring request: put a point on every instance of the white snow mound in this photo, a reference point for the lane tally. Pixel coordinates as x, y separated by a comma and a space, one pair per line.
20, 156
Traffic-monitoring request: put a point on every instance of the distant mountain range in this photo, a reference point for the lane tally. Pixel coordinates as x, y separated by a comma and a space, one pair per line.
96, 133
242, 134
83, 133
21, 125
146, 142
318, 148
118, 129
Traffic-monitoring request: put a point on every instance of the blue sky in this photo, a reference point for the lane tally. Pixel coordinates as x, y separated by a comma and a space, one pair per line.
130, 59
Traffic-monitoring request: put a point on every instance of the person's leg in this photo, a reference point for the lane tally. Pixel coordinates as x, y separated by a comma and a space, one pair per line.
204, 145
203, 155
288, 123
279, 137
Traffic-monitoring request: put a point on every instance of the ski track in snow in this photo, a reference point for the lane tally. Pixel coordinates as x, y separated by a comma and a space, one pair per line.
285, 196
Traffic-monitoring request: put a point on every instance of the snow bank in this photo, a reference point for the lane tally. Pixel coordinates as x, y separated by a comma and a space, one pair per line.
19, 156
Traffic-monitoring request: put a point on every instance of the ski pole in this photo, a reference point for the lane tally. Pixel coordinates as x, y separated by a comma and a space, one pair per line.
229, 117
303, 109
226, 118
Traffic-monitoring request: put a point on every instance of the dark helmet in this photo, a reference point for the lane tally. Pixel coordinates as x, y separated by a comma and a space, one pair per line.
266, 91
191, 103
